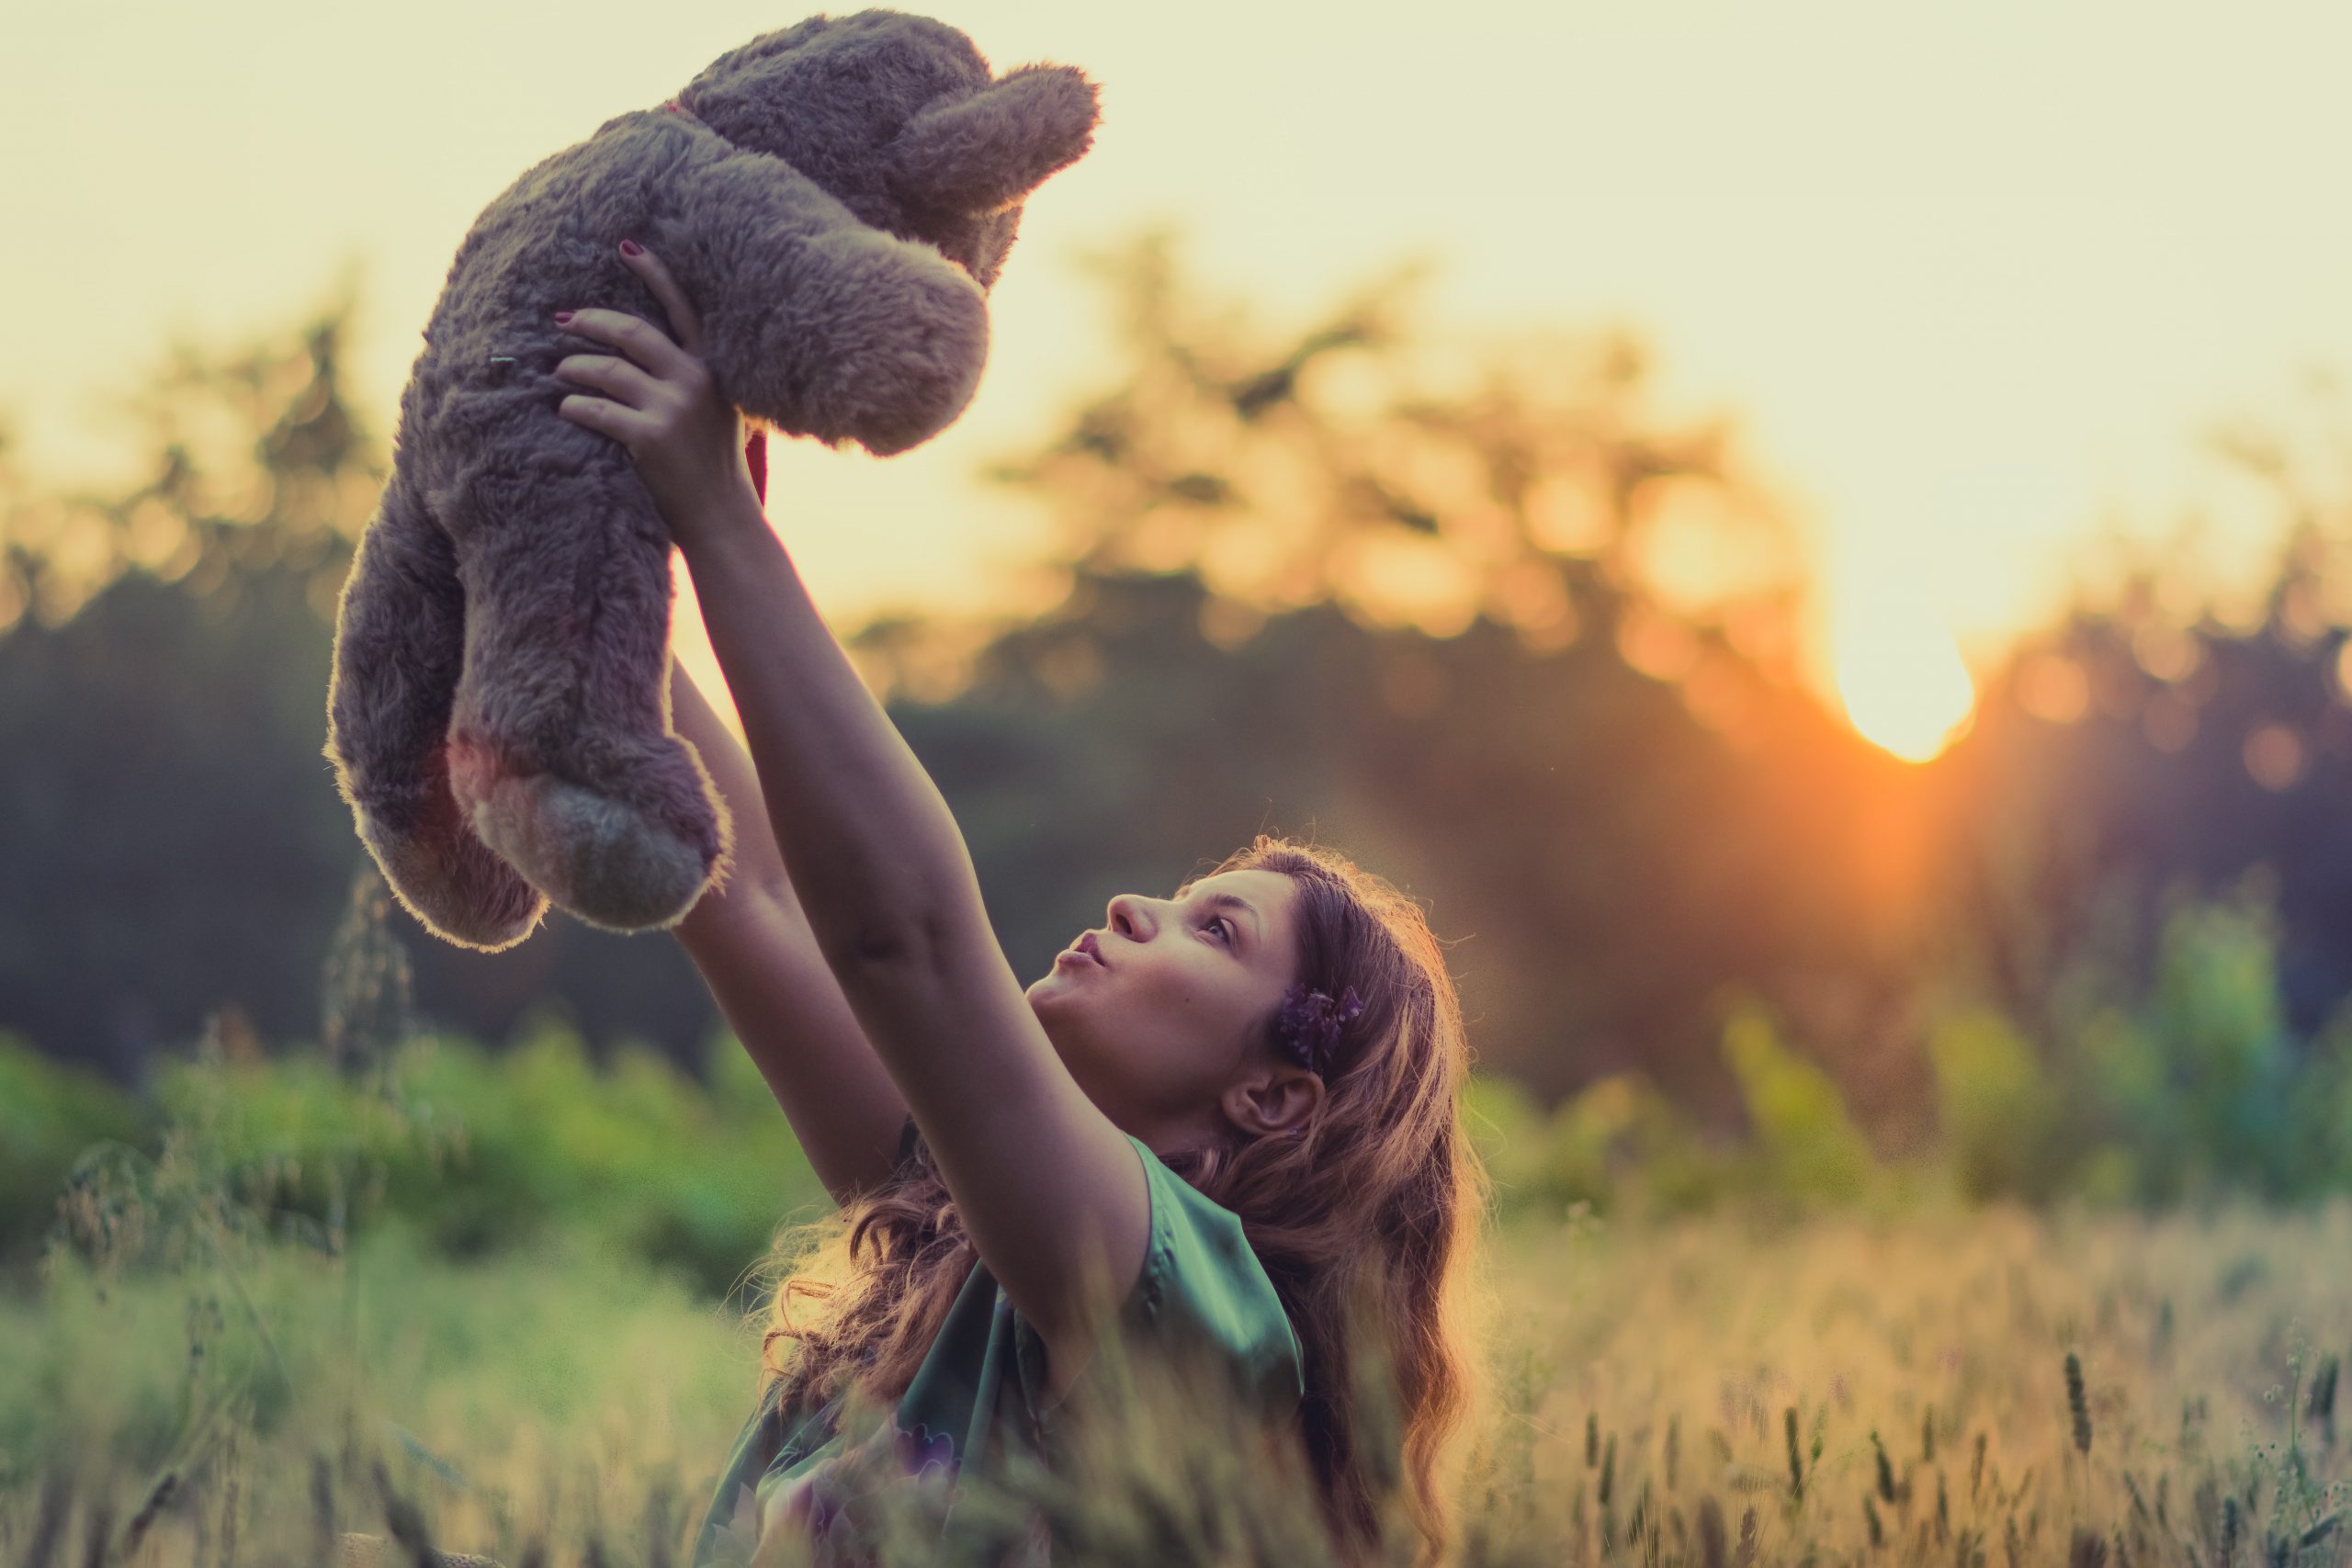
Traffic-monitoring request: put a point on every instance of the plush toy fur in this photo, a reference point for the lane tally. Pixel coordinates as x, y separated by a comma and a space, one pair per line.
835, 200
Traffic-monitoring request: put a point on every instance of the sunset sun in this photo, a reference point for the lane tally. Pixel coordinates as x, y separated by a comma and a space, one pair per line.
1904, 684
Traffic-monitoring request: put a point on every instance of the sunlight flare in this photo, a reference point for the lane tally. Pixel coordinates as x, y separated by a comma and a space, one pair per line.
1904, 684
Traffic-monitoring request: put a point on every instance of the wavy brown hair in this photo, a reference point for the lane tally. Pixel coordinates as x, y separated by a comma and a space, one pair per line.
1364, 1223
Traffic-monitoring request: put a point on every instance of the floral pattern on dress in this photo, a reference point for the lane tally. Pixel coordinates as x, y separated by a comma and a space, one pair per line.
736, 1542
821, 1504
922, 1453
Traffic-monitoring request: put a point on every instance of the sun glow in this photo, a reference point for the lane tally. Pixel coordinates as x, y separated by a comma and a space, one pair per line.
1904, 684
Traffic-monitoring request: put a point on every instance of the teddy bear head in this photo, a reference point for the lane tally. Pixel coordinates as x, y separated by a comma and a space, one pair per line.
899, 118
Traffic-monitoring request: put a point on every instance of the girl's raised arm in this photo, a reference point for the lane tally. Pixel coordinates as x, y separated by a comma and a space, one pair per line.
1049, 1189
752, 942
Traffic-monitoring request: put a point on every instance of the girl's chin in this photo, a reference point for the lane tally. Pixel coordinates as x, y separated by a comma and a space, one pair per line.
1049, 991
1067, 970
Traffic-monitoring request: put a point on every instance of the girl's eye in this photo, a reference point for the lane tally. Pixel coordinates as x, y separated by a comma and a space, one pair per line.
1219, 921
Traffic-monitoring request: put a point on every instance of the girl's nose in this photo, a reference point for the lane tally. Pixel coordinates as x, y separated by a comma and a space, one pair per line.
1128, 918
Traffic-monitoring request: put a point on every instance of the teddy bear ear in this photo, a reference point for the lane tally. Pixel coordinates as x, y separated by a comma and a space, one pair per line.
983, 153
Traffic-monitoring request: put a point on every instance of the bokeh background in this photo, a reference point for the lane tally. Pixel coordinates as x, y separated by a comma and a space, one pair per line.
1812, 539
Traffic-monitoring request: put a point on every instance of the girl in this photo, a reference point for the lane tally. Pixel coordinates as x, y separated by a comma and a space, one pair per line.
1230, 1112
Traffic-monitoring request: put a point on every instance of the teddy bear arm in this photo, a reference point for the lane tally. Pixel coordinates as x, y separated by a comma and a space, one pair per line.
823, 326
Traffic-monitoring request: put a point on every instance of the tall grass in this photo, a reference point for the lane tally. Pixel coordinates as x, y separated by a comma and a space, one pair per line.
408, 1300
1969, 1387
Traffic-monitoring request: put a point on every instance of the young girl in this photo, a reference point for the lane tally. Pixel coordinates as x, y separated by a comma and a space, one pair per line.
1232, 1110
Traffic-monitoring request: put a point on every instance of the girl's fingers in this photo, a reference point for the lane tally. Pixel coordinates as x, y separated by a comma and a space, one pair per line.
685, 325
603, 416
619, 378
647, 345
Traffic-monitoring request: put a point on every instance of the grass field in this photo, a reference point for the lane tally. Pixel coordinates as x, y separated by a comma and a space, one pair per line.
188, 1390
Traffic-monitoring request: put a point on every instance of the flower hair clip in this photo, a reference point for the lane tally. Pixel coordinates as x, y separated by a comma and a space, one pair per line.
1309, 1025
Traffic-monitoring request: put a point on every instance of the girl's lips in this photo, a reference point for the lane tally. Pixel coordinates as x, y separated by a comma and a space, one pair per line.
1087, 945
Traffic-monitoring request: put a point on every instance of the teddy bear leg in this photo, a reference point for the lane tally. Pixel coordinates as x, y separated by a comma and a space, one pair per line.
561, 751
399, 633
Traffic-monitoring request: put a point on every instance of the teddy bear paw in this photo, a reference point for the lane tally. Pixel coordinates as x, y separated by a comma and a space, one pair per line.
604, 860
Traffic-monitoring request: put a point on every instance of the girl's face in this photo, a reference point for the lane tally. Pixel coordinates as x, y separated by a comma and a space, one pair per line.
1158, 1015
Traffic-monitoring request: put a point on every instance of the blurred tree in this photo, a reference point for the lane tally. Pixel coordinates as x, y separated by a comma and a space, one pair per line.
1477, 614
170, 833
2169, 734
1415, 479
258, 467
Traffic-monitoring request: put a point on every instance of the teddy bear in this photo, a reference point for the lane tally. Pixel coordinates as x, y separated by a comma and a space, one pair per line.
836, 199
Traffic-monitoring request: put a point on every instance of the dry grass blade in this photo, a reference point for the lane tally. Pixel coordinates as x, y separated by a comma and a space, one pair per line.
98, 1530
159, 1498
49, 1523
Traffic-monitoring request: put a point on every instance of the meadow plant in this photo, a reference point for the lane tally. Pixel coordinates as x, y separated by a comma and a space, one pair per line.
406, 1301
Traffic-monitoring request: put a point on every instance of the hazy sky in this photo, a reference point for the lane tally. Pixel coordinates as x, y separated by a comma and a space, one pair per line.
1977, 280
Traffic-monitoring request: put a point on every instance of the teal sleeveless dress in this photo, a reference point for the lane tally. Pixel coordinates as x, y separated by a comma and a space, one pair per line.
980, 1389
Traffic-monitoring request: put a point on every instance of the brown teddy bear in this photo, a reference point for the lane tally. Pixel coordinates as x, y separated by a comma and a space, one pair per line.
835, 199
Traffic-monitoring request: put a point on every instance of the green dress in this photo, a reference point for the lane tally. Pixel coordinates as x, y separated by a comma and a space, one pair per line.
980, 1388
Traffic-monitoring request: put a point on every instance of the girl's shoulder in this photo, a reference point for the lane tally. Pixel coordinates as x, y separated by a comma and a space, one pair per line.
1201, 1280
1202, 1286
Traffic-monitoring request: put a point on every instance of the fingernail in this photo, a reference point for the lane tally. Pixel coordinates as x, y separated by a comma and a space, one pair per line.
562, 316
631, 248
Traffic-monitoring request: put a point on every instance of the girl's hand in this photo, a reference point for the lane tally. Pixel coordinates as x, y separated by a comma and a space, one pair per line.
658, 400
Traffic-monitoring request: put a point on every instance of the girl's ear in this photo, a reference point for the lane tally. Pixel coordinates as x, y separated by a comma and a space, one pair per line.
1273, 1100
982, 154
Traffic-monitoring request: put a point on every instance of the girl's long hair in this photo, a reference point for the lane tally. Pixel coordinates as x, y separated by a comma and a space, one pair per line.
1364, 1223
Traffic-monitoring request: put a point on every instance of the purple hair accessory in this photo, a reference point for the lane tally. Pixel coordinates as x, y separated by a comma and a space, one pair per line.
1310, 1022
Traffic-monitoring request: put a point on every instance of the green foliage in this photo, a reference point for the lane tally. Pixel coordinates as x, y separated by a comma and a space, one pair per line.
2216, 1020
1805, 1146
513, 1145
477, 1151
49, 1114
2000, 1109
1619, 1143
2194, 1089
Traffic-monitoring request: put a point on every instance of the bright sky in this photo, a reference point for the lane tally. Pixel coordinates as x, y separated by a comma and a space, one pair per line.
1977, 280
